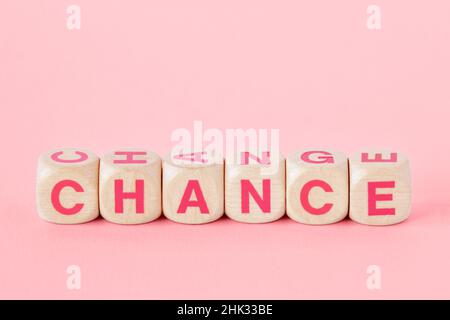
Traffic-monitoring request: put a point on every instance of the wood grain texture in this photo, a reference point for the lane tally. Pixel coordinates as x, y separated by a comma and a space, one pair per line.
177, 173
396, 173
83, 174
255, 174
139, 174
327, 166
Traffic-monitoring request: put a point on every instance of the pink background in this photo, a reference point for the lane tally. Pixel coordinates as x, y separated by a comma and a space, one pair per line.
139, 69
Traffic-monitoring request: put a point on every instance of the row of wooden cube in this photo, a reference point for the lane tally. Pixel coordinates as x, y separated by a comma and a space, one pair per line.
136, 186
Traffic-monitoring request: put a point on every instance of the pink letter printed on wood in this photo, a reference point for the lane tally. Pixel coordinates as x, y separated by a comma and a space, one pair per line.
130, 186
380, 187
193, 188
255, 187
67, 186
317, 186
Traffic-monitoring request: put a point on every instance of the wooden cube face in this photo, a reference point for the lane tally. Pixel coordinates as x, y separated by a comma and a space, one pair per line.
67, 186
317, 186
130, 186
255, 188
193, 188
380, 188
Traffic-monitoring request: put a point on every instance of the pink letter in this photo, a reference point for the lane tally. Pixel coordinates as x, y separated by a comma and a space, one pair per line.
326, 157
130, 156
55, 197
304, 197
374, 197
245, 157
56, 157
193, 186
247, 188
378, 157
138, 195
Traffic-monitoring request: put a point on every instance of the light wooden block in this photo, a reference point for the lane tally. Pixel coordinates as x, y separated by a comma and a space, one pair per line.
67, 186
193, 188
130, 186
380, 187
255, 188
317, 186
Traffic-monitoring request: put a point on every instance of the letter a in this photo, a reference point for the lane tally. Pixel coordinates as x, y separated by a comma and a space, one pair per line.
74, 279
373, 282
374, 19
74, 18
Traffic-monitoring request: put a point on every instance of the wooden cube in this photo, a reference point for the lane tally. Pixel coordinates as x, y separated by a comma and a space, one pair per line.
193, 188
317, 186
255, 187
67, 186
130, 186
380, 187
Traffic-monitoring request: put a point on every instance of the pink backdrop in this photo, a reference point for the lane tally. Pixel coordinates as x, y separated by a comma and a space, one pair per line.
139, 69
